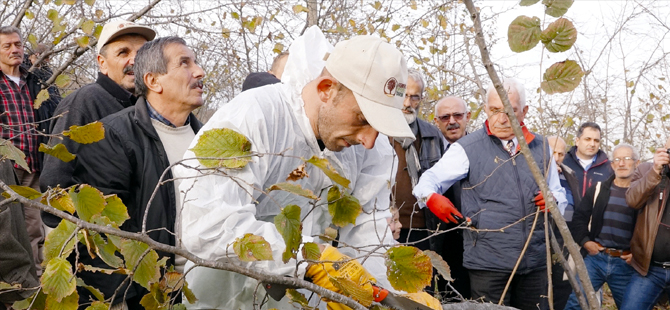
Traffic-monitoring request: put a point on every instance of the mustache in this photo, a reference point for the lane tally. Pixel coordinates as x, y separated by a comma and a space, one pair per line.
197, 84
409, 109
128, 69
453, 126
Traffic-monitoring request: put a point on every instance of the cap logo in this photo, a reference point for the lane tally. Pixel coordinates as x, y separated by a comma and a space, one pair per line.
400, 90
390, 87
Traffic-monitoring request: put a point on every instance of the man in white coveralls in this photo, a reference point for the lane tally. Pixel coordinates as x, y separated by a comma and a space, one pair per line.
334, 109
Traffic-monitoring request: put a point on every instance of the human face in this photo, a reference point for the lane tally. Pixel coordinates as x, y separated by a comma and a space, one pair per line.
119, 59
453, 128
413, 97
588, 144
623, 163
11, 50
558, 146
394, 224
182, 83
499, 123
342, 124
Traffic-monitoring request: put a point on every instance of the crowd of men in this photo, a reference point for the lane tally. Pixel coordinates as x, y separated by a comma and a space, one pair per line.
468, 196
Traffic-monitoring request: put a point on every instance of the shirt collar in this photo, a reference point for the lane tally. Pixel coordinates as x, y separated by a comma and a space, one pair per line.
153, 114
529, 136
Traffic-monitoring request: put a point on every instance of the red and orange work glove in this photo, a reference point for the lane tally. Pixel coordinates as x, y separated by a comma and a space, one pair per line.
539, 202
443, 208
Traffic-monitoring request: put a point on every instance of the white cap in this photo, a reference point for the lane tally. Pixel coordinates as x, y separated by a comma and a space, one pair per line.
114, 29
376, 72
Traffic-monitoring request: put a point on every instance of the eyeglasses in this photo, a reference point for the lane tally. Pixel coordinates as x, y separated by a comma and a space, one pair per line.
446, 117
617, 160
414, 98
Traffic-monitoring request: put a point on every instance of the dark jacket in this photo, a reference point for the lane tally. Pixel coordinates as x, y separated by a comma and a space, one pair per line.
36, 81
587, 212
432, 145
129, 162
598, 172
88, 104
499, 191
16, 257
644, 195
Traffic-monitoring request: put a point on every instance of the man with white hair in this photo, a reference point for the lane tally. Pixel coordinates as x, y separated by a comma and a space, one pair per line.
452, 117
498, 190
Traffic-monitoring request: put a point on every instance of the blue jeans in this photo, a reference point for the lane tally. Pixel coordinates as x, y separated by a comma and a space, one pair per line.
642, 292
604, 268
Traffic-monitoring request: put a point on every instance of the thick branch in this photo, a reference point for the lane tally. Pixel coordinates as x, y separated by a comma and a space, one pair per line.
534, 168
21, 13
265, 278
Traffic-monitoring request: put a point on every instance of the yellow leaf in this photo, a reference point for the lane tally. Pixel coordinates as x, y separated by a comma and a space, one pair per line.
69, 2
87, 134
82, 41
299, 8
408, 268
62, 80
87, 26
59, 151
41, 97
89, 2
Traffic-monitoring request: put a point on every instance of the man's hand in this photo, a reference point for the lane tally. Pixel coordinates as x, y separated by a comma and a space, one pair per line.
627, 257
661, 158
592, 247
443, 208
539, 202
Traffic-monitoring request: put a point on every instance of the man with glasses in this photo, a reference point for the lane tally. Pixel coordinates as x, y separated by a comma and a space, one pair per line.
414, 157
501, 197
452, 117
603, 225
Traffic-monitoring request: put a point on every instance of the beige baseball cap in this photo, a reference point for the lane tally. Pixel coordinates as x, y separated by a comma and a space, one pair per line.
376, 72
114, 29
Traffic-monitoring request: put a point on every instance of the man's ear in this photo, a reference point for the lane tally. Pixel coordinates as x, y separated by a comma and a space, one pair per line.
468, 116
102, 64
152, 81
326, 89
525, 110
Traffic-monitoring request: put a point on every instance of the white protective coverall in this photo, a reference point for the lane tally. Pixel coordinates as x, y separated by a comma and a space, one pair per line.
218, 209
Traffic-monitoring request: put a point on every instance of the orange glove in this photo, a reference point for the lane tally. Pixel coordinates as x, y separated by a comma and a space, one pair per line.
539, 202
444, 209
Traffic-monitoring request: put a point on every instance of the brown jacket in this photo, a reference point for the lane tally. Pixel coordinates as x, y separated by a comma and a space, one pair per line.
643, 195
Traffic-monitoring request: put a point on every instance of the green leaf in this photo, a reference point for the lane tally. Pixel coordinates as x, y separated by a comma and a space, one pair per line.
528, 2
328, 169
56, 239
296, 297
7, 286
278, 48
311, 251
557, 8
94, 291
223, 143
523, 33
57, 280
440, 265
30, 14
52, 14
562, 77
106, 250
59, 199
188, 293
179, 307
89, 2
343, 207
89, 133
24, 191
252, 248
41, 97
88, 26
115, 210
408, 269
70, 302
62, 80
329, 234
32, 39
69, 2
364, 295
559, 36
145, 271
289, 226
98, 28
97, 305
82, 41
294, 189
11, 152
149, 302
37, 302
59, 151
235, 15
104, 270
87, 200
299, 8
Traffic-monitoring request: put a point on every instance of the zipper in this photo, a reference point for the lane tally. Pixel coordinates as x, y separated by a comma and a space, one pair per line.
523, 211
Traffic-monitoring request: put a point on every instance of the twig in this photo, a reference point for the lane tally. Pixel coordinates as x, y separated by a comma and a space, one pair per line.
518, 261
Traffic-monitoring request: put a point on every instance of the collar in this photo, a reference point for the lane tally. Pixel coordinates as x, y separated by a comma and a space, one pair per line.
122, 96
22, 71
153, 114
529, 136
143, 120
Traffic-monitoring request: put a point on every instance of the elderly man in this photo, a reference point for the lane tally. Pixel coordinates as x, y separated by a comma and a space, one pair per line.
586, 159
140, 143
334, 109
603, 225
18, 120
452, 117
111, 92
497, 190
650, 244
427, 149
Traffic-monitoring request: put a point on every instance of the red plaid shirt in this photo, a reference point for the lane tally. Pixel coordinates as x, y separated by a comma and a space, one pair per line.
17, 117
